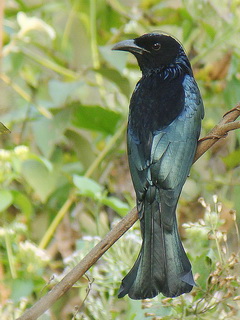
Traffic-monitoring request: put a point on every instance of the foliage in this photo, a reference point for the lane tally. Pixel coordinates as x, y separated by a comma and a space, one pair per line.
63, 172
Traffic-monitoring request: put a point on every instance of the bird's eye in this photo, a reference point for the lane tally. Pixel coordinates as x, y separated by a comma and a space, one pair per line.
156, 46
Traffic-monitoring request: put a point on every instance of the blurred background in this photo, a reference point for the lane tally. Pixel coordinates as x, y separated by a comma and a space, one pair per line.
63, 167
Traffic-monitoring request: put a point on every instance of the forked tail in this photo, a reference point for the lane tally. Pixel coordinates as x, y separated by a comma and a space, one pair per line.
162, 264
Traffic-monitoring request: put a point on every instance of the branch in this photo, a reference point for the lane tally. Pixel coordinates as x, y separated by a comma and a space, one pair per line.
221, 130
227, 124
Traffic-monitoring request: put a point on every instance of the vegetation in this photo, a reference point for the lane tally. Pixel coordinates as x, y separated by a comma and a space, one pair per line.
63, 168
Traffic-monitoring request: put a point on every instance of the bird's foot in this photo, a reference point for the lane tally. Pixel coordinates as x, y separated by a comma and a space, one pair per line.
233, 109
213, 136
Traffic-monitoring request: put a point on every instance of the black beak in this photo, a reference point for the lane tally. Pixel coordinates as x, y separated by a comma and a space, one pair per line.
129, 45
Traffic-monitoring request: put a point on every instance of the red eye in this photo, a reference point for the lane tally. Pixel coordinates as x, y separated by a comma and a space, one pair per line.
156, 46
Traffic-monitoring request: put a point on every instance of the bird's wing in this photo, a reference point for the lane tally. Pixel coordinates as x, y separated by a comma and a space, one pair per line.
172, 151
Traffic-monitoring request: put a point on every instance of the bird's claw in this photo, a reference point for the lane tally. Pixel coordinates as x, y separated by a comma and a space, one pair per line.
233, 109
213, 136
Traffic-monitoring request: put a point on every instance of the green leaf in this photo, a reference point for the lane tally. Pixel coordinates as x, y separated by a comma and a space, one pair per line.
21, 288
116, 59
6, 199
232, 160
95, 118
116, 77
88, 187
201, 264
232, 92
119, 206
59, 91
39, 178
187, 27
210, 30
22, 202
210, 257
82, 146
48, 132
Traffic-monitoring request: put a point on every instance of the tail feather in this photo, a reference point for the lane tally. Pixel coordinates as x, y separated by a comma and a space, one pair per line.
162, 264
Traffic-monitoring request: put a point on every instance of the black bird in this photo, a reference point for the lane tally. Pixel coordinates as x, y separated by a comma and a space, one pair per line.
163, 128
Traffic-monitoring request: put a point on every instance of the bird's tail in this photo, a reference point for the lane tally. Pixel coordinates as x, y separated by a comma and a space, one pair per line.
162, 264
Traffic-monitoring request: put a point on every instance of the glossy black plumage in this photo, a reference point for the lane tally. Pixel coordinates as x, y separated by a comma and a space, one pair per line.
163, 128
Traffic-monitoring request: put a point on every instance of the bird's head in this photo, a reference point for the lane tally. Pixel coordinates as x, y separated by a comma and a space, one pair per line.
154, 51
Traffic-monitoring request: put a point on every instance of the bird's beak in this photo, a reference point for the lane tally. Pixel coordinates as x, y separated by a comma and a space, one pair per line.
129, 45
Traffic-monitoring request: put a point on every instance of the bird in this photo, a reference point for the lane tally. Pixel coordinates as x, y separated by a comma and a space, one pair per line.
164, 124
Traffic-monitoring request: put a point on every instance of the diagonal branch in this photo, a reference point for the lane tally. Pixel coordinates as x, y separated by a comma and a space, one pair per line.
227, 124
221, 130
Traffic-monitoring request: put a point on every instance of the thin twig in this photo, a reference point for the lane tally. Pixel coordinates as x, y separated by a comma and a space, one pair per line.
219, 131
